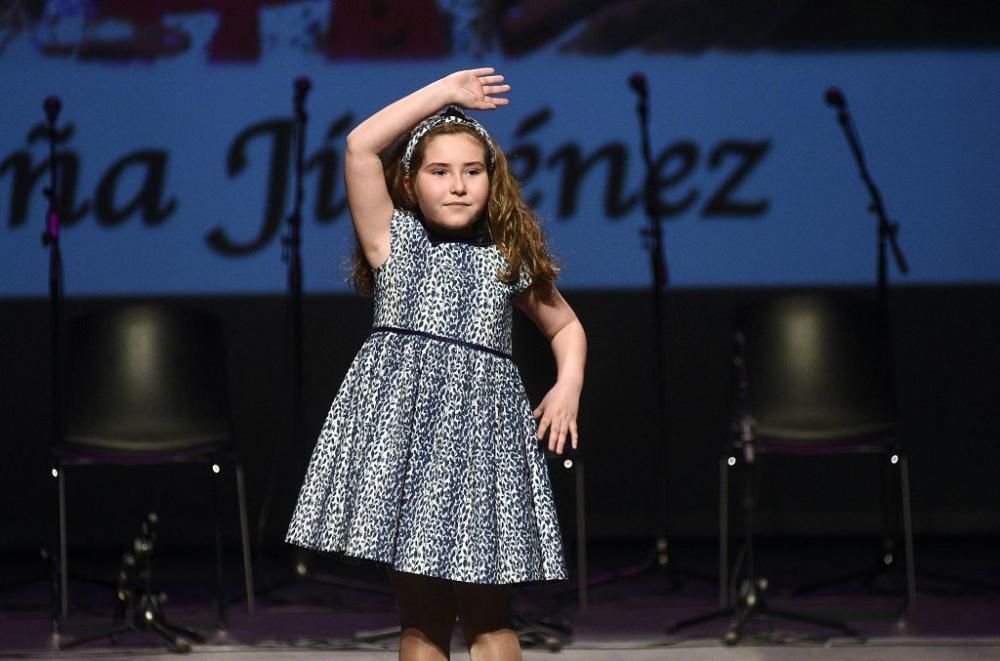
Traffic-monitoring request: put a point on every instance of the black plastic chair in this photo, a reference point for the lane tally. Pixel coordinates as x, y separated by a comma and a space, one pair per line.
145, 385
812, 375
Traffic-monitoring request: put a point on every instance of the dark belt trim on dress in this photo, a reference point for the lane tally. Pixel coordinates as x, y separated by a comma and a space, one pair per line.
442, 338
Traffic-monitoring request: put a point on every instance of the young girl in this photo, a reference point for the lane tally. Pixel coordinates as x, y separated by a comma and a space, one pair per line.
431, 460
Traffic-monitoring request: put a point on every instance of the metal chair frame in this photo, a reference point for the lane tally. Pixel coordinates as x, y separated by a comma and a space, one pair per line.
214, 451
760, 440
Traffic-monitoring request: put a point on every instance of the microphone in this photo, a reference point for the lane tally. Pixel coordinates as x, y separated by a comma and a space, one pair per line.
637, 82
52, 107
302, 86
835, 98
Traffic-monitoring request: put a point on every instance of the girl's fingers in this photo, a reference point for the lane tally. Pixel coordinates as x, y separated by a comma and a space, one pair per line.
559, 425
555, 435
490, 80
542, 428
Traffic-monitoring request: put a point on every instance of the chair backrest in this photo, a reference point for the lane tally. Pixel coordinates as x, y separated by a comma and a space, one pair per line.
816, 370
146, 378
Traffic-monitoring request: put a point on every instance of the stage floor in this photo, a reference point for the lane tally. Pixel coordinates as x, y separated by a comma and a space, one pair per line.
956, 615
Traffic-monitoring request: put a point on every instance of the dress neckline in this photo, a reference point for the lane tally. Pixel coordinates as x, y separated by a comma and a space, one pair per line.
478, 237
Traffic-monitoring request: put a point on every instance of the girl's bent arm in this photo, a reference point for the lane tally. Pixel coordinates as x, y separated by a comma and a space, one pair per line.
367, 194
557, 412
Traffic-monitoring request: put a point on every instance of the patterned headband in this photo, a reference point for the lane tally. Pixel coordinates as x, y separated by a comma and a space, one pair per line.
450, 115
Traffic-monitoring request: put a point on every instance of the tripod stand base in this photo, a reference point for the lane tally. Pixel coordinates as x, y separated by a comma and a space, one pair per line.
657, 561
148, 616
551, 633
300, 572
177, 636
750, 606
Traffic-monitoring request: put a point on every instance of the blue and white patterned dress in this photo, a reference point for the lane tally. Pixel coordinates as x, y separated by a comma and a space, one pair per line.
428, 460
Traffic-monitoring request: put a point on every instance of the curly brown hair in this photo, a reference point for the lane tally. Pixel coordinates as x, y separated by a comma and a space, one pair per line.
513, 226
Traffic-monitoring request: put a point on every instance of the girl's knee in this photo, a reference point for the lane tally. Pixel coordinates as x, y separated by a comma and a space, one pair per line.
497, 645
417, 644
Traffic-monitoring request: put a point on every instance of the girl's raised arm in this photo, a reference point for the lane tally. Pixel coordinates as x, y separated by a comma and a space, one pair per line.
367, 194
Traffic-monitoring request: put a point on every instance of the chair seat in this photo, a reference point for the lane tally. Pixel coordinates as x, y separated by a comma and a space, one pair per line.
80, 450
859, 438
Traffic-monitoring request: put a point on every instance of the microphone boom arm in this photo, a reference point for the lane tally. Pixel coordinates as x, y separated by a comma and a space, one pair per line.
887, 229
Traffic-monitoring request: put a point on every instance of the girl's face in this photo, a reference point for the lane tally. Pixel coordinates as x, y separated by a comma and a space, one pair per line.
452, 185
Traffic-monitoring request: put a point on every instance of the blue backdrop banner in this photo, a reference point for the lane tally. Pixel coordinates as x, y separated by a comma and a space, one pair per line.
175, 152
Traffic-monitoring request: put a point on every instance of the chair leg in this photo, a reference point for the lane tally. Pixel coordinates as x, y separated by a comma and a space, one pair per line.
581, 537
63, 562
904, 485
220, 597
891, 527
724, 532
245, 534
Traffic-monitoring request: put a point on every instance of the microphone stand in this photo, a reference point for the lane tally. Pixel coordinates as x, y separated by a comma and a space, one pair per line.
658, 558
750, 602
50, 240
291, 255
137, 606
653, 242
887, 232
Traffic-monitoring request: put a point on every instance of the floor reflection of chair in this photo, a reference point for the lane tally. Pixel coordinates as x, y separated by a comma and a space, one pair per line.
147, 385
812, 382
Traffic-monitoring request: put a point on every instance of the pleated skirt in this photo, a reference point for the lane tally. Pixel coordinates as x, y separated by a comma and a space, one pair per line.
427, 462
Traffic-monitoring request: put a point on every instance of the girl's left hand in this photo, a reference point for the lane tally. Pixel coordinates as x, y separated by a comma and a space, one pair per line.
477, 89
557, 416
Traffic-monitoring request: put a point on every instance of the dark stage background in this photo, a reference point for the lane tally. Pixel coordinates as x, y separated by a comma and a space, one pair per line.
948, 361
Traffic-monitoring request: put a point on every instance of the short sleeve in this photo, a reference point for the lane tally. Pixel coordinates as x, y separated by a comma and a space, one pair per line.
523, 281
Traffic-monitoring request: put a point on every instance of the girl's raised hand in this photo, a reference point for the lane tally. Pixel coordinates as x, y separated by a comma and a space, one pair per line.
476, 89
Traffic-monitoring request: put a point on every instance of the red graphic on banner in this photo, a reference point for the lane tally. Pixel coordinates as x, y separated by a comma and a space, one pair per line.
414, 29
387, 30
409, 29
